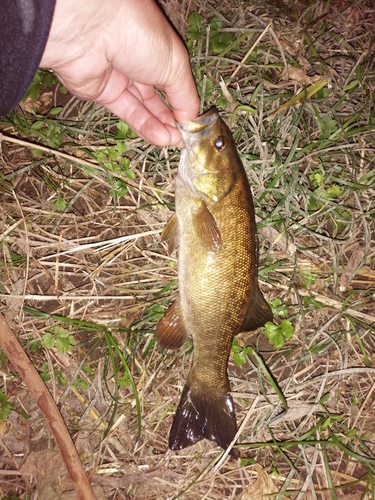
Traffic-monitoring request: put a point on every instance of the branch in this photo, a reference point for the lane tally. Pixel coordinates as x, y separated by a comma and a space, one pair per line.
27, 371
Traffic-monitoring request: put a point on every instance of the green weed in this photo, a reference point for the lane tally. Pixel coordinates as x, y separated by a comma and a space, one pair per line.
277, 335
60, 338
5, 407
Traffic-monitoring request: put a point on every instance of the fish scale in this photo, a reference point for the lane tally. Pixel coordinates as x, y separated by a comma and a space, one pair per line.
213, 284
214, 228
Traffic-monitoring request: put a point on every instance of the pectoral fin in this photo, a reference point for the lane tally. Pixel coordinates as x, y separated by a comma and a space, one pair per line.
171, 332
207, 229
258, 313
171, 233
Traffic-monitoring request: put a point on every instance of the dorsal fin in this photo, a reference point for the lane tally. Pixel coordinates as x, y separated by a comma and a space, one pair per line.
170, 232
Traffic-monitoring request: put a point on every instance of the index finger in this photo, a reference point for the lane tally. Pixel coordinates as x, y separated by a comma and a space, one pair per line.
182, 93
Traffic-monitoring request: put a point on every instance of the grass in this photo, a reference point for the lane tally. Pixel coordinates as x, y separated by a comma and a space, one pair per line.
83, 203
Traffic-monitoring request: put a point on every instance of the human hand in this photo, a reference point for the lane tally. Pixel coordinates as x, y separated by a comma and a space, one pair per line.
117, 53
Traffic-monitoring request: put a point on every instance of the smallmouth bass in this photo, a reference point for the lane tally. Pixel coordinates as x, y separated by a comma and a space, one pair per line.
219, 297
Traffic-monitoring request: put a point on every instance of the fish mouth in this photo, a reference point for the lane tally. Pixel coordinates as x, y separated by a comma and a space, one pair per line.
196, 129
192, 133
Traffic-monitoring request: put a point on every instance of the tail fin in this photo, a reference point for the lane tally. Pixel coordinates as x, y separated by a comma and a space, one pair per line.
203, 412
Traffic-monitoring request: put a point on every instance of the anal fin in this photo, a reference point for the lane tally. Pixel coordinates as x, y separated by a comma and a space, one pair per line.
258, 313
171, 332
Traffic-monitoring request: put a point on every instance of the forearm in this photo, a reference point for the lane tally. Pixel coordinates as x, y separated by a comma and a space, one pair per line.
23, 36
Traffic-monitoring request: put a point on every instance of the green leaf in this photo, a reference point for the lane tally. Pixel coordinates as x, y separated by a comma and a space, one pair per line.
21, 411
219, 41
317, 178
37, 152
5, 406
63, 344
328, 126
60, 377
130, 173
194, 31
59, 331
351, 86
310, 301
119, 188
48, 340
87, 369
239, 353
60, 204
55, 111
37, 125
122, 130
278, 334
247, 461
278, 308
239, 357
334, 191
217, 23
124, 380
125, 162
80, 383
221, 102
287, 328
121, 147
3, 360
101, 156
72, 340
112, 154
324, 398
208, 88
32, 92
35, 345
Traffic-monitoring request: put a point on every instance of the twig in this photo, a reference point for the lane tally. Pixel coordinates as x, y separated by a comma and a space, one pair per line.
250, 51
47, 405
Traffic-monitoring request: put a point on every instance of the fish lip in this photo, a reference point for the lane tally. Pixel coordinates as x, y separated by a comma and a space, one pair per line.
196, 129
192, 133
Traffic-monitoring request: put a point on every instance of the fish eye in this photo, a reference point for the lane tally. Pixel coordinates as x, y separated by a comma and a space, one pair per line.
220, 143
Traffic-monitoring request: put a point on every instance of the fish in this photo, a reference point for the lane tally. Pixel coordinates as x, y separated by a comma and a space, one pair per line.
219, 296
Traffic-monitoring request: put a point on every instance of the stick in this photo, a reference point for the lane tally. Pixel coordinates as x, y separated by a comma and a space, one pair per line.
27, 371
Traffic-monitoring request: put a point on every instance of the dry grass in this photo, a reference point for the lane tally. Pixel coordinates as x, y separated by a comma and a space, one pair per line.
92, 262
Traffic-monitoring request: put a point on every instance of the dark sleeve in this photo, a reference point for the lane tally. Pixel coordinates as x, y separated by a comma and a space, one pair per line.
25, 26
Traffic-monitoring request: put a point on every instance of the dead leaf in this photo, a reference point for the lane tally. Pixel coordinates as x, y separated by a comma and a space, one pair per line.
47, 465
298, 410
351, 267
227, 95
41, 104
278, 239
5, 427
51, 475
300, 76
263, 486
72, 495
294, 49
